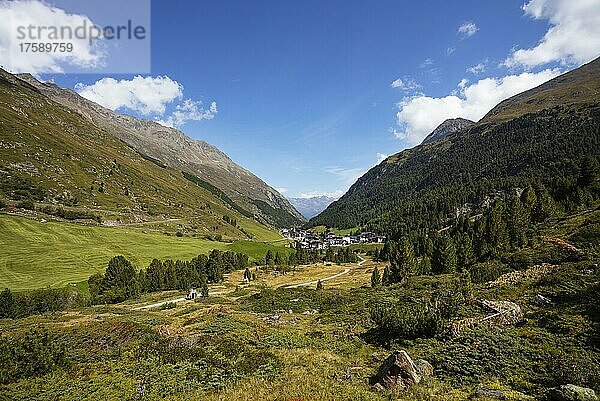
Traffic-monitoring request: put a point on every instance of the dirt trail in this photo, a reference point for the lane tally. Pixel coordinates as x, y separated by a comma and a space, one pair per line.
313, 282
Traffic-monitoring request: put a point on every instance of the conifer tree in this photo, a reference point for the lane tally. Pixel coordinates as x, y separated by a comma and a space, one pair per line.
545, 206
464, 252
7, 304
277, 260
444, 256
375, 278
319, 285
402, 262
154, 275
496, 230
385, 278
518, 222
466, 285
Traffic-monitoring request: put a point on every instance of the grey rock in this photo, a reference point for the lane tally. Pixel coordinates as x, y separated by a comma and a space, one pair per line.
424, 368
449, 126
571, 392
399, 371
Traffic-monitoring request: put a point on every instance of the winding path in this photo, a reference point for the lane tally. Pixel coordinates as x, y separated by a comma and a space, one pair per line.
314, 282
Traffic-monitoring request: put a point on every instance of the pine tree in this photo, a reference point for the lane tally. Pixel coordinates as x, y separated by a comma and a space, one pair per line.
277, 259
444, 256
466, 285
385, 278
464, 252
589, 172
121, 277
425, 265
204, 289
7, 304
154, 275
496, 230
170, 275
518, 223
545, 206
375, 278
402, 262
319, 285
529, 199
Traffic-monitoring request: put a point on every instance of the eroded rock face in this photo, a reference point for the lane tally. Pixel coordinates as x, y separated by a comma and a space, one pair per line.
571, 392
399, 371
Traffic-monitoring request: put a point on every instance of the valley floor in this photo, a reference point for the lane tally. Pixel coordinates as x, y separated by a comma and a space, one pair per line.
263, 341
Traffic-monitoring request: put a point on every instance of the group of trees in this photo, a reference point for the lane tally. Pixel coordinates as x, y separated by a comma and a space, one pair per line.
507, 225
301, 256
27, 303
121, 281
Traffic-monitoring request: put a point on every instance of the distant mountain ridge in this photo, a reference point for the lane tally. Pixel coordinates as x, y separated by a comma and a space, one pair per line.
310, 207
541, 135
174, 149
449, 126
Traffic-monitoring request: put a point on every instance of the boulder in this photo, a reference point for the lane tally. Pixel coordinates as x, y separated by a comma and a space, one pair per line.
571, 392
399, 371
424, 368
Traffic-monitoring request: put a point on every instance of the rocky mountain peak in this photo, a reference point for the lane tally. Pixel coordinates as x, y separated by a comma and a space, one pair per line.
449, 126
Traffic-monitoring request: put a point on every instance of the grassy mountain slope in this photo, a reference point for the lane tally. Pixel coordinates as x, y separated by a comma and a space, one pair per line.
36, 255
543, 134
55, 156
173, 148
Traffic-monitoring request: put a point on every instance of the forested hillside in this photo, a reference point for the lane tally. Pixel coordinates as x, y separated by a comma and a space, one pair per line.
423, 187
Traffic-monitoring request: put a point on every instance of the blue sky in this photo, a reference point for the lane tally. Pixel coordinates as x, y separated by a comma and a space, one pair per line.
304, 88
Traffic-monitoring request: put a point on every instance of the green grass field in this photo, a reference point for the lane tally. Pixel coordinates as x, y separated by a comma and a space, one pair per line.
34, 254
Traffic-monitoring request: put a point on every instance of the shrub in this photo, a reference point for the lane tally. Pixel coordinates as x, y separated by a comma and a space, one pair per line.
427, 318
34, 354
46, 300
168, 305
26, 204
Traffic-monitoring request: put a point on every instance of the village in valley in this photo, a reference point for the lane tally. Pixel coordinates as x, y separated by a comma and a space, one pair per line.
312, 240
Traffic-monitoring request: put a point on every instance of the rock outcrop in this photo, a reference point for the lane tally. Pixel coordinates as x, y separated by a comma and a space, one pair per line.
399, 371
571, 392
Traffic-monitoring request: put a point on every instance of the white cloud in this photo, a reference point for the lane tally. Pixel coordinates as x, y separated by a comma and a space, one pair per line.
281, 190
426, 63
149, 96
189, 110
478, 68
467, 29
407, 84
146, 95
346, 175
381, 157
450, 50
419, 115
573, 37
15, 14
330, 194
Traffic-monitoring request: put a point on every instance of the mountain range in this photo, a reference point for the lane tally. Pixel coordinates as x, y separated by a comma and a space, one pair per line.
66, 153
539, 136
172, 148
310, 207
